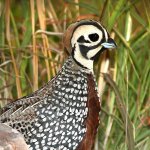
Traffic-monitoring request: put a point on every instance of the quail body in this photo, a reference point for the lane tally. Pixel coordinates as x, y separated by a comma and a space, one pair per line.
64, 113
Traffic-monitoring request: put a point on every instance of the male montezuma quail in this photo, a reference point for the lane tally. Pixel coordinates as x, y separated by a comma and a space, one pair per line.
64, 114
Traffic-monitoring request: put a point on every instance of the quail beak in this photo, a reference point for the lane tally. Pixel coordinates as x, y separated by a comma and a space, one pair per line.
109, 44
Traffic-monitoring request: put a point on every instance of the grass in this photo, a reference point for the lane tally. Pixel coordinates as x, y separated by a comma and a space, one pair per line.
29, 58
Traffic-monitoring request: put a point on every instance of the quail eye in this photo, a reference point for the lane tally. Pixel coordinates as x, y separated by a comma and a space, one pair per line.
94, 37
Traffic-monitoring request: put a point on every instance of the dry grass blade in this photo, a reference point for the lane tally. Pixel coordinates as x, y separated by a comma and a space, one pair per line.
77, 8
42, 20
53, 16
104, 68
8, 37
49, 33
41, 13
35, 57
123, 112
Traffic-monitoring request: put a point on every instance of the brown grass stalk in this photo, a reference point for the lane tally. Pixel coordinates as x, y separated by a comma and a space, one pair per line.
42, 20
35, 51
7, 20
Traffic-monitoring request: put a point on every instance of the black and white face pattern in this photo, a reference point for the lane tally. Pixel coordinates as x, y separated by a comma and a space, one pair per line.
88, 39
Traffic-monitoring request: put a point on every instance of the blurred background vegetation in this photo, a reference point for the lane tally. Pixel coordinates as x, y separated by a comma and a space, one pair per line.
30, 57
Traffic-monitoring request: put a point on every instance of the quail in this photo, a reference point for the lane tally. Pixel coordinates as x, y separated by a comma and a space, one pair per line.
64, 113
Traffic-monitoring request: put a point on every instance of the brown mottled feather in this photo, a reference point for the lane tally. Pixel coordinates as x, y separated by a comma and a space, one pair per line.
92, 121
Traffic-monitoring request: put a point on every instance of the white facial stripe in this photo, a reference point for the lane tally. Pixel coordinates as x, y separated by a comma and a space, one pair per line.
82, 60
106, 34
89, 44
93, 52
